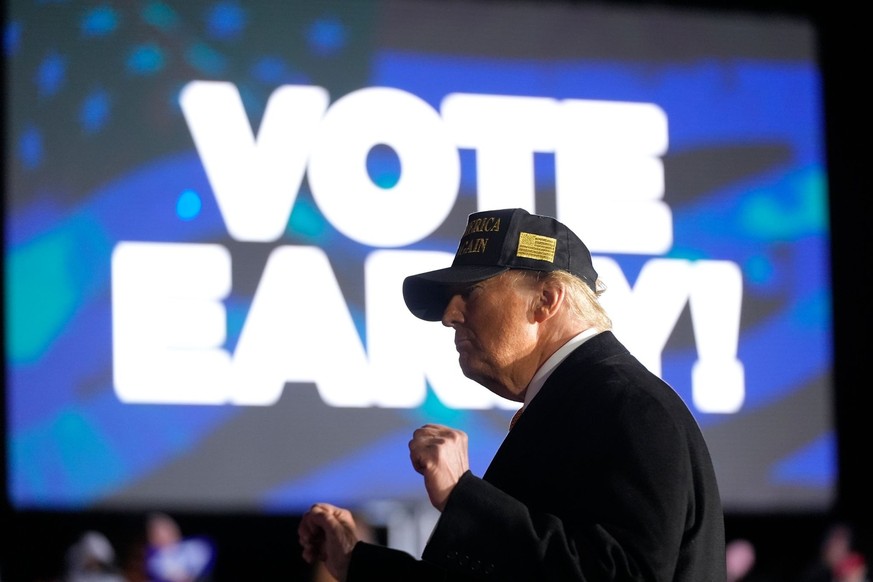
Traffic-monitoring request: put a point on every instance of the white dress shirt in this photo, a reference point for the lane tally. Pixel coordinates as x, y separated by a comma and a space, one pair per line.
549, 365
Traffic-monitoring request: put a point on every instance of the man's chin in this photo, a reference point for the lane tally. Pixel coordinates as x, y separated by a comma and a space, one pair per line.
475, 374
468, 370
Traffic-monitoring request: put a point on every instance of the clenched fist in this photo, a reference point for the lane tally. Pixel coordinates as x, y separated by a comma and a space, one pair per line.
439, 454
328, 533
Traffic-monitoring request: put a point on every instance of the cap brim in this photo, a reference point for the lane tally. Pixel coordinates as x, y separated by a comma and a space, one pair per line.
427, 294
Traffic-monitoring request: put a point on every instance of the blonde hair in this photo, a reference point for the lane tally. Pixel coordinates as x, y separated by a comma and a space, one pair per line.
582, 301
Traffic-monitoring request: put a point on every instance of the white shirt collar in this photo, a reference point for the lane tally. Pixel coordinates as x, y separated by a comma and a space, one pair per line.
549, 365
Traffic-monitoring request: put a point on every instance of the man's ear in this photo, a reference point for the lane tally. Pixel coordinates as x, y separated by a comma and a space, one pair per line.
549, 300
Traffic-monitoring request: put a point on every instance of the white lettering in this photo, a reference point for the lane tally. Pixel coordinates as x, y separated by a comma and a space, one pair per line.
299, 329
718, 377
645, 317
168, 322
505, 132
609, 177
430, 168
255, 182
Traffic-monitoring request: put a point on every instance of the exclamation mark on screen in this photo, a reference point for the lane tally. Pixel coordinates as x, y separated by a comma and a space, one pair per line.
717, 378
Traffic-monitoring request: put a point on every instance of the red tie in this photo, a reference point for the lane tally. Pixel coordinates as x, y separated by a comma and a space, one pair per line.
515, 417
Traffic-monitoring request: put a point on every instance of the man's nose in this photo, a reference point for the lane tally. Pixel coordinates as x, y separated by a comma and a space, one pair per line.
454, 311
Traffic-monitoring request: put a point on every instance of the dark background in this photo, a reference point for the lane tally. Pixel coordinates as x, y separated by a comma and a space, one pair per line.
253, 547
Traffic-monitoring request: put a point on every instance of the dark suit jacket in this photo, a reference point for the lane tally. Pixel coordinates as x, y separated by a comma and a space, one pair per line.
606, 476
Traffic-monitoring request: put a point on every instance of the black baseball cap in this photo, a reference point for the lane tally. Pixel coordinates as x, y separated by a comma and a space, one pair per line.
495, 241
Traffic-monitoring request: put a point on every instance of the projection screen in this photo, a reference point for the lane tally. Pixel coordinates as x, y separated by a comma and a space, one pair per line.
210, 208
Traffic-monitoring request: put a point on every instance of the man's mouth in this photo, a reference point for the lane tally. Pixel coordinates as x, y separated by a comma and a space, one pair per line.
461, 343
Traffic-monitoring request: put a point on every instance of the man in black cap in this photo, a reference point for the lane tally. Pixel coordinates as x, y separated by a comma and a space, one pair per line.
606, 475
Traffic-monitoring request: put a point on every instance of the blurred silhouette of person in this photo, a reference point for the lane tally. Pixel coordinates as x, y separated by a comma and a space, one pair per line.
836, 545
162, 554
851, 568
171, 557
162, 530
741, 560
92, 559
